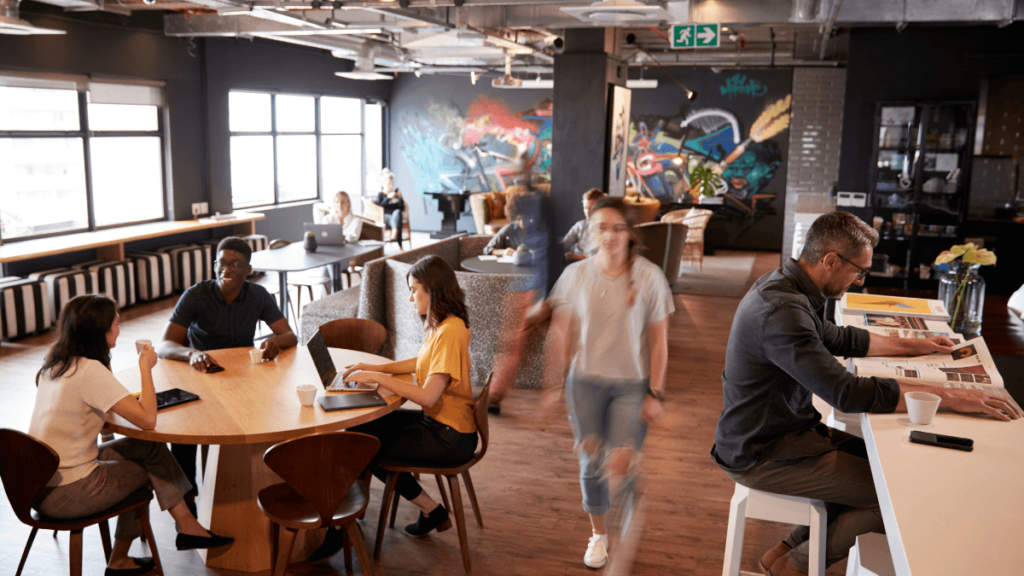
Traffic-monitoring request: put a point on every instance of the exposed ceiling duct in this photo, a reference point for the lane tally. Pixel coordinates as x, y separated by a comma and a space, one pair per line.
12, 23
364, 66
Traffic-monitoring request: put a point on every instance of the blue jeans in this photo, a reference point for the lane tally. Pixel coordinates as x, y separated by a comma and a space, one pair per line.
608, 411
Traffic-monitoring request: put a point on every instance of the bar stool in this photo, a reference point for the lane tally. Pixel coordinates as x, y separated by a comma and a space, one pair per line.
750, 503
870, 556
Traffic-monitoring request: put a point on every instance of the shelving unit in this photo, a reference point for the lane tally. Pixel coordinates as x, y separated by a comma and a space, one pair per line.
920, 174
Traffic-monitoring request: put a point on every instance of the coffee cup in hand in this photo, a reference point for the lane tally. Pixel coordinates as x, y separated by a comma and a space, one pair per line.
921, 407
141, 345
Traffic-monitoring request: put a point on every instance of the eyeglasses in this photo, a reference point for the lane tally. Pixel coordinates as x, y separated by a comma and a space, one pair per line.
596, 228
863, 271
234, 266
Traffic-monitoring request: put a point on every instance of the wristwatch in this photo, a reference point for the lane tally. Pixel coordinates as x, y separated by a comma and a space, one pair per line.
656, 395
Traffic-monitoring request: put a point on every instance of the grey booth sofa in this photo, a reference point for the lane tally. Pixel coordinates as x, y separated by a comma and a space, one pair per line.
383, 296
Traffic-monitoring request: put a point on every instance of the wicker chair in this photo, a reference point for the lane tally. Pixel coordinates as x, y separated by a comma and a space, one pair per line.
696, 221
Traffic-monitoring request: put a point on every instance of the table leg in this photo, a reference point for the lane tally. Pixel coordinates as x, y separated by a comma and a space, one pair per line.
336, 271
282, 278
234, 477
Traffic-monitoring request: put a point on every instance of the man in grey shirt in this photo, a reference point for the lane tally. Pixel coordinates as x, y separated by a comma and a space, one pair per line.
780, 352
577, 243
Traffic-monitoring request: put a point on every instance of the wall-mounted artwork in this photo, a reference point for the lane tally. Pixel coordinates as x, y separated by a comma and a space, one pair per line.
618, 134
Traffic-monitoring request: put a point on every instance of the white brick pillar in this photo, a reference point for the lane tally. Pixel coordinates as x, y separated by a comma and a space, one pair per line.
814, 134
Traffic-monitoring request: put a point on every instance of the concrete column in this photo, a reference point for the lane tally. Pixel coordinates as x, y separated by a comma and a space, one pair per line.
579, 140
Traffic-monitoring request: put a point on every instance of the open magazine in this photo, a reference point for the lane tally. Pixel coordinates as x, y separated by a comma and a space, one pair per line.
969, 363
896, 326
853, 303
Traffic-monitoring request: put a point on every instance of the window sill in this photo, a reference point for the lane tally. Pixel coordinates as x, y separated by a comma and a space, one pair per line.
272, 207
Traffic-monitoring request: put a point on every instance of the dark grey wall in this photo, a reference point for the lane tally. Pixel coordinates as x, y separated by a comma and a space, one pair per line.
275, 67
927, 63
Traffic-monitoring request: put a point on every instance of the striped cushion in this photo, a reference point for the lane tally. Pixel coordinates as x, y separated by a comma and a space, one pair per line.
115, 279
257, 242
153, 276
190, 264
64, 284
24, 307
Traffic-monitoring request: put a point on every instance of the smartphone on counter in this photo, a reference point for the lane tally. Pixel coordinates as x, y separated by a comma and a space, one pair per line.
942, 441
214, 368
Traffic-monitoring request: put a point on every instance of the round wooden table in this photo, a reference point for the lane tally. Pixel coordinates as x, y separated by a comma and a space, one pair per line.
242, 412
475, 264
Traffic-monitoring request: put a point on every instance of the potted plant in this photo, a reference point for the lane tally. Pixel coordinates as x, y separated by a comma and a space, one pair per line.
703, 182
309, 242
962, 289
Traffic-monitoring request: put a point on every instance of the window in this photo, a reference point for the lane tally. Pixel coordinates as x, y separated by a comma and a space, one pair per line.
77, 157
288, 148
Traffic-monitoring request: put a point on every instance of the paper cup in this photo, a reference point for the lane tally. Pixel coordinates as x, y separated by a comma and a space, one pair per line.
141, 345
307, 393
921, 407
256, 354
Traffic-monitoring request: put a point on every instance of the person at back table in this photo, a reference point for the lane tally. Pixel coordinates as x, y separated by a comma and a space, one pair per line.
780, 352
76, 392
394, 210
513, 234
222, 313
340, 212
577, 242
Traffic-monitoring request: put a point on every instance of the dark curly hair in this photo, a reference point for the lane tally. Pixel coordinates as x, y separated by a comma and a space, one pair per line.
593, 195
82, 333
446, 297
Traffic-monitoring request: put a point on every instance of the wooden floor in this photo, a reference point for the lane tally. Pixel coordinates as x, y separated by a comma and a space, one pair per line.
527, 484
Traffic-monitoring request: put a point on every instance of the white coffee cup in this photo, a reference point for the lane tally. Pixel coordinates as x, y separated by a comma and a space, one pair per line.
141, 345
922, 406
307, 393
256, 354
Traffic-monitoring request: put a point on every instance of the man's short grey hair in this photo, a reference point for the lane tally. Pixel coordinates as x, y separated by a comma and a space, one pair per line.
839, 232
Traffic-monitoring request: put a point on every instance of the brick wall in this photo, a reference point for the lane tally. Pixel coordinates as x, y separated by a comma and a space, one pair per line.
814, 137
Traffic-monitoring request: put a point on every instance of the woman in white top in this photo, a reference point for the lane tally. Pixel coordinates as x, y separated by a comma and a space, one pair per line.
611, 311
340, 212
76, 392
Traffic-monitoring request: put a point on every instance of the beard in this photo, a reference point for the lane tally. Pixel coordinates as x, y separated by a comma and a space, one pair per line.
835, 291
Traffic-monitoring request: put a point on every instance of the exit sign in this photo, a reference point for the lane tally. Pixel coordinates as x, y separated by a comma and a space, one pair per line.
695, 36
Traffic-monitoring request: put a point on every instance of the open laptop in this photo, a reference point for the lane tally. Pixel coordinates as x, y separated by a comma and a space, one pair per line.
327, 234
364, 396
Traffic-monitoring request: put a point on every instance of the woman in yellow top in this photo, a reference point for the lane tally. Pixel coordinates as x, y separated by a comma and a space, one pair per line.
444, 433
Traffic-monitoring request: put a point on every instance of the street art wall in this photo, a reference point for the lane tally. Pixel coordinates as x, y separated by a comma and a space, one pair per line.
448, 135
738, 127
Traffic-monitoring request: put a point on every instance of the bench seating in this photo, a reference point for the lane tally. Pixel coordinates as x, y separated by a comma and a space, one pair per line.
24, 307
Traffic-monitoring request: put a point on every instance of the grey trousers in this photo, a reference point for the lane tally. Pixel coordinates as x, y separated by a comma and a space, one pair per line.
842, 479
125, 465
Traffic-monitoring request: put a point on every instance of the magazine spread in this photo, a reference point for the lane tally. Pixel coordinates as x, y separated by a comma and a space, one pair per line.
969, 364
853, 303
887, 325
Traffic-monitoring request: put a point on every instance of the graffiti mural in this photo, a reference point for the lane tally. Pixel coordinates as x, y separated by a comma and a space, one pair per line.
663, 151
479, 149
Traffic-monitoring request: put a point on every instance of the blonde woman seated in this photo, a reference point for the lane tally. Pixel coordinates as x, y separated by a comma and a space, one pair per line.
339, 211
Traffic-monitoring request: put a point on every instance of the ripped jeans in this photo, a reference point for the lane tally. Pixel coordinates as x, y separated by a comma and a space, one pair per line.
609, 412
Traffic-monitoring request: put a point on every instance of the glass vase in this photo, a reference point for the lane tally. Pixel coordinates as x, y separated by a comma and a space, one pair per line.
962, 290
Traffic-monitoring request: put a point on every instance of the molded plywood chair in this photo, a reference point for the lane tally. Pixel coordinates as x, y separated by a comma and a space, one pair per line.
321, 489
354, 334
663, 245
26, 465
452, 474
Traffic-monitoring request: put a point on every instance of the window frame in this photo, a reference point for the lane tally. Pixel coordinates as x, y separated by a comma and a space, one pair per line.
86, 134
319, 134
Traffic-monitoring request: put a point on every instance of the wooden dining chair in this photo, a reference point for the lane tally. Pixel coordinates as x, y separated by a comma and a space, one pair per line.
26, 465
354, 334
321, 489
452, 474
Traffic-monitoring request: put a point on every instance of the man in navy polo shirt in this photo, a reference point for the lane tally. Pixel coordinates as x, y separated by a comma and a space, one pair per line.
221, 313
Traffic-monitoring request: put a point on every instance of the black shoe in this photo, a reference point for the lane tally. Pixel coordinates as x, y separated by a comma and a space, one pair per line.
438, 518
494, 409
189, 542
333, 542
142, 566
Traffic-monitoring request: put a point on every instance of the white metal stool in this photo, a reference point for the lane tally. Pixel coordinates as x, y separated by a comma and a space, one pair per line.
870, 556
750, 503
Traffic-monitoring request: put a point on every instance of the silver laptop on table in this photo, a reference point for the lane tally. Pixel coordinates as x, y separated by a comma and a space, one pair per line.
327, 234
329, 376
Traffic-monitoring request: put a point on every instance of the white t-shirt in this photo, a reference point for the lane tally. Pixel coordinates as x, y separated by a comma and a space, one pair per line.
353, 225
69, 413
612, 341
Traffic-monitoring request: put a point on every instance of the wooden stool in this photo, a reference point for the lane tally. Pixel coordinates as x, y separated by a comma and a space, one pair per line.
750, 503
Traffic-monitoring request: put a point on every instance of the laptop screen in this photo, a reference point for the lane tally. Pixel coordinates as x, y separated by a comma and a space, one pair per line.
321, 357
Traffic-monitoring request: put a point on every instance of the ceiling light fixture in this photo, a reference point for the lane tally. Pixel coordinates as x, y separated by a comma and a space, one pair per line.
472, 77
610, 11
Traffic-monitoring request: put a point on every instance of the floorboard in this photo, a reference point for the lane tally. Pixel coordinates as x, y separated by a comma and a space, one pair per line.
527, 484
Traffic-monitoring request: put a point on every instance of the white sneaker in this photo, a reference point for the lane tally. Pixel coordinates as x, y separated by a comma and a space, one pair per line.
597, 551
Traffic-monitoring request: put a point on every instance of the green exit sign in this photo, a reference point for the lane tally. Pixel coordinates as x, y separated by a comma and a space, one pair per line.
695, 36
